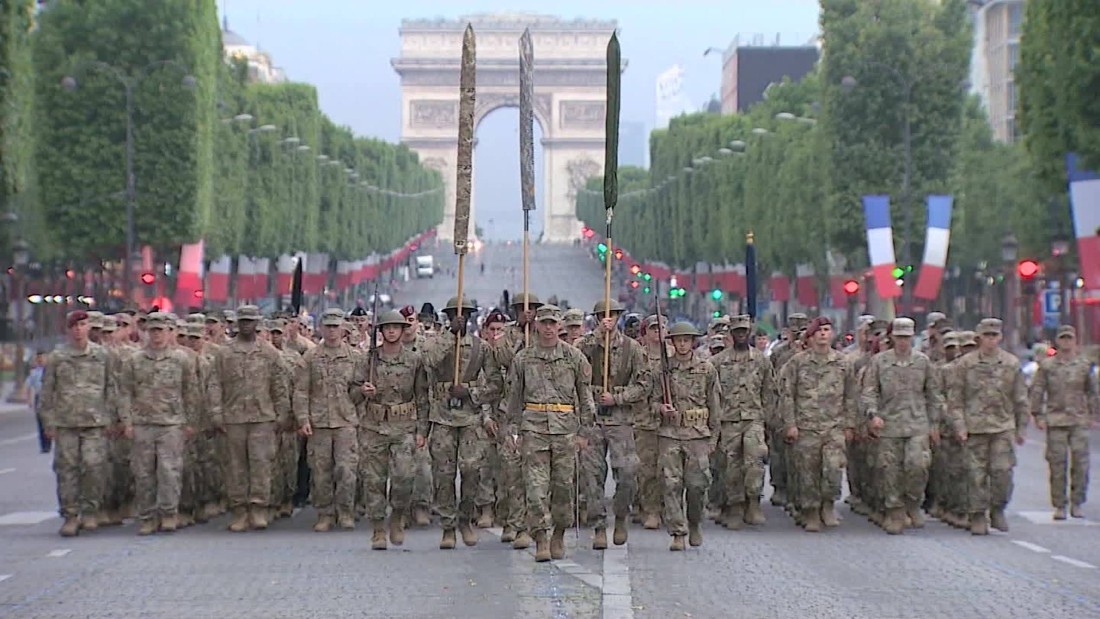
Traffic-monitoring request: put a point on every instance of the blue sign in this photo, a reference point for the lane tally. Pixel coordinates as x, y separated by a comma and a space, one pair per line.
1052, 308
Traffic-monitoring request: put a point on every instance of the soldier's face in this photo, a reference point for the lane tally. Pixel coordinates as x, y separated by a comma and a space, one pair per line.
903, 343
548, 329
79, 331
494, 331
575, 331
277, 338
194, 342
246, 328
159, 337
989, 342
761, 342
824, 335
950, 352
333, 334
391, 334
683, 344
740, 338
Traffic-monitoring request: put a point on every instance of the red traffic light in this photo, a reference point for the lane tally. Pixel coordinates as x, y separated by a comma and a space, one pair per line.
851, 287
634, 284
635, 269
198, 294
1027, 269
148, 278
618, 254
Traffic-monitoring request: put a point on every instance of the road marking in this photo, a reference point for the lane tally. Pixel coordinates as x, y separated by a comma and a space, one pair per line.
6, 471
618, 602
1074, 562
4, 577
1030, 546
60, 552
24, 518
1044, 517
19, 439
580, 573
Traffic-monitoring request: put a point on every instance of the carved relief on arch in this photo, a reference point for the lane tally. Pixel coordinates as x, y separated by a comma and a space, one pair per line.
580, 169
433, 114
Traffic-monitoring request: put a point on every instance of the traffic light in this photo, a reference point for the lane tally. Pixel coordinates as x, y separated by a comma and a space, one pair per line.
1027, 269
676, 293
716, 294
851, 287
148, 278
647, 290
618, 254
198, 294
634, 284
635, 269
647, 276
602, 248
716, 314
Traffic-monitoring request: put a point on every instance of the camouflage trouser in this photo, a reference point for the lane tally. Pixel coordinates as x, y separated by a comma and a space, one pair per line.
777, 461
856, 472
190, 474
157, 464
120, 481
334, 463
249, 458
818, 461
954, 483
490, 467
742, 443
207, 470
902, 465
716, 494
549, 469
511, 500
1068, 448
422, 479
290, 448
618, 442
649, 479
685, 470
382, 458
990, 459
80, 462
456, 450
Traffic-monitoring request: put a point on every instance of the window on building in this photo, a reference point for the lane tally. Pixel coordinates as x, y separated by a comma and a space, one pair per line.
1013, 56
1011, 132
1010, 97
1015, 18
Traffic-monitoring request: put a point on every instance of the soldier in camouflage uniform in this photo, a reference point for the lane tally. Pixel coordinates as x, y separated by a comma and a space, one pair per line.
290, 441
646, 422
777, 462
415, 338
868, 337
490, 493
549, 401
119, 497
991, 396
1064, 402
612, 435
688, 433
394, 425
158, 405
461, 419
249, 403
954, 489
937, 480
573, 324
326, 416
76, 414
819, 398
749, 391
903, 403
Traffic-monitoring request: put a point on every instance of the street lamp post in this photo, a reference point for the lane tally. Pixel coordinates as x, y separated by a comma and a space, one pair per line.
1009, 252
129, 83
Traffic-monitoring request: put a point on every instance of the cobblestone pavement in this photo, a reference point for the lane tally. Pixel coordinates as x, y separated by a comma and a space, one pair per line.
1039, 569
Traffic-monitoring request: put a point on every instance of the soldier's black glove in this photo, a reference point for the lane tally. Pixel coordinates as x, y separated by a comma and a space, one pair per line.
459, 392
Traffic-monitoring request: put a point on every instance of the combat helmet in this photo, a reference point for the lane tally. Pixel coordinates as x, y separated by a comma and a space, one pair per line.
452, 304
682, 328
532, 300
391, 317
601, 307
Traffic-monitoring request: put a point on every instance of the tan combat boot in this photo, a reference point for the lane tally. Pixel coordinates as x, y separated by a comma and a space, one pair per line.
324, 523
828, 514
147, 527
1075, 511
916, 516
894, 523
110, 518
421, 517
378, 535
522, 541
621, 527
599, 540
997, 520
345, 521
448, 541
169, 524
695, 534
542, 547
754, 515
257, 517
186, 520
677, 543
812, 520
397, 529
286, 510
1060, 513
485, 520
89, 522
734, 516
469, 534
979, 525
71, 527
239, 523
652, 521
557, 543
210, 511
507, 535
199, 515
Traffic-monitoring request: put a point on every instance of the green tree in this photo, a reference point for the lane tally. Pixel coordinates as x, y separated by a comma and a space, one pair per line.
17, 178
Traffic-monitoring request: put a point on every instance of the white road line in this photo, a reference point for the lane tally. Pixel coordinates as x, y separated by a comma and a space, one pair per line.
6, 471
25, 518
1073, 562
60, 552
1030, 546
4, 577
19, 439
618, 602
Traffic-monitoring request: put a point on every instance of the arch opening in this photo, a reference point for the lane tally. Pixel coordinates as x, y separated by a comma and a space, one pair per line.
497, 204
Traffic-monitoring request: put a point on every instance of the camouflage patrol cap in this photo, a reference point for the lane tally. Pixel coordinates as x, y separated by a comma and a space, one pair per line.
194, 330
716, 341
532, 300
332, 317
574, 317
392, 317
277, 325
989, 326
934, 317
683, 328
230, 316
741, 321
196, 319
96, 319
246, 312
721, 323
967, 338
601, 307
179, 325
798, 320
951, 340
545, 313
215, 316
903, 327
1066, 331
108, 324
878, 327
158, 320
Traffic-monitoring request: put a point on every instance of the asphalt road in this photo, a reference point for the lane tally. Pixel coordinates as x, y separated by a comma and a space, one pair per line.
1039, 569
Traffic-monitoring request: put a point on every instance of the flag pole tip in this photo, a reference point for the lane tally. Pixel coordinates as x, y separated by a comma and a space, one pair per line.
750, 238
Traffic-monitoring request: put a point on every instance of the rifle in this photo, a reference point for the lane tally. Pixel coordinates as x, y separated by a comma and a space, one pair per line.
666, 385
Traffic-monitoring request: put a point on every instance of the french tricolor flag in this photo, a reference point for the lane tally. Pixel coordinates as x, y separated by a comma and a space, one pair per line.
880, 245
935, 248
1084, 199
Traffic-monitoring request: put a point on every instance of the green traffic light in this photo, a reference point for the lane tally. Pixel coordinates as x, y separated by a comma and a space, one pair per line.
646, 290
716, 294
898, 272
647, 276
602, 248
909, 269
716, 314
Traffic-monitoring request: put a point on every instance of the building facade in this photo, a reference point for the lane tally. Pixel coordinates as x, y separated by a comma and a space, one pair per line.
260, 66
997, 28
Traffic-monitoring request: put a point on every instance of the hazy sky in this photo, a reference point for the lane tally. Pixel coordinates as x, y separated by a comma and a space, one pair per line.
344, 48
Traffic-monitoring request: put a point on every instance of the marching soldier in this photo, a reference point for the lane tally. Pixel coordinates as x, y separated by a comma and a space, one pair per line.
290, 440
613, 434
781, 353
549, 400
415, 338
76, 414
327, 417
1064, 403
646, 422
249, 403
749, 391
393, 427
573, 323
688, 434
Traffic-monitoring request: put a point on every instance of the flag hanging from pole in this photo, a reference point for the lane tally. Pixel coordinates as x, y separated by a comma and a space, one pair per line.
935, 248
880, 245
1084, 198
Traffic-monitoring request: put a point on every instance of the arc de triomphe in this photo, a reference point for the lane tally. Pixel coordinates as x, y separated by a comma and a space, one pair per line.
569, 82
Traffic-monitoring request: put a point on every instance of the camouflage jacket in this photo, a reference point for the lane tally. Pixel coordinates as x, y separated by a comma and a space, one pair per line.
1064, 391
646, 417
818, 392
696, 396
160, 388
747, 382
627, 375
483, 379
248, 385
323, 382
76, 388
905, 393
557, 376
989, 392
400, 405
511, 343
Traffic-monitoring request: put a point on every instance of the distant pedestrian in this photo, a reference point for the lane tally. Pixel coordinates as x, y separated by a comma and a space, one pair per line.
33, 388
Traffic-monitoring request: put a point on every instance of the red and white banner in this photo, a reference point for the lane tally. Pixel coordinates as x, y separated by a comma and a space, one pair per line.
806, 285
189, 278
217, 280
315, 274
245, 270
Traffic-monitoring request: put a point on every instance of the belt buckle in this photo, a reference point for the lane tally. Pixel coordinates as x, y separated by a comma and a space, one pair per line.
454, 403
604, 411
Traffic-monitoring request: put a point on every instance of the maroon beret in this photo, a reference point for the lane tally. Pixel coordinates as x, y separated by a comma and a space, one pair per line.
495, 316
75, 317
816, 324
408, 311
